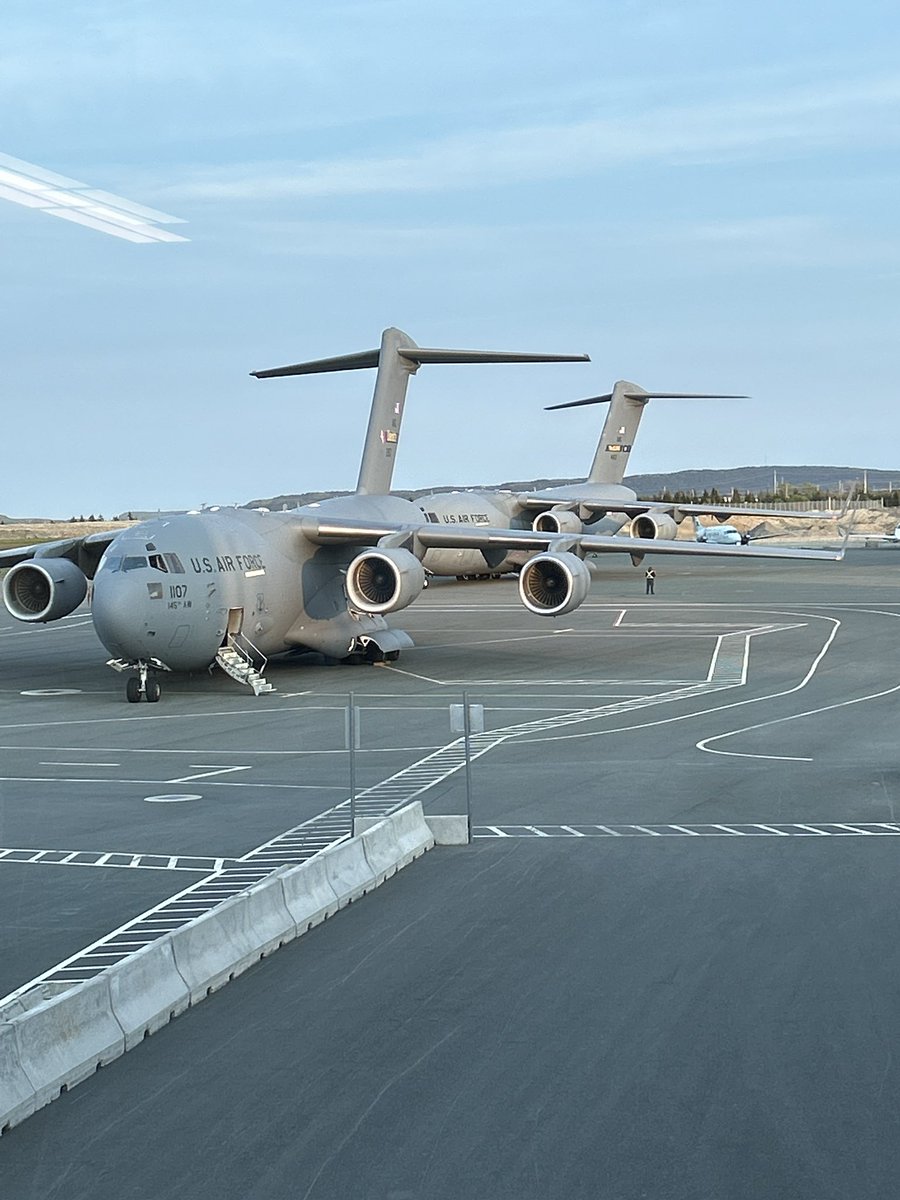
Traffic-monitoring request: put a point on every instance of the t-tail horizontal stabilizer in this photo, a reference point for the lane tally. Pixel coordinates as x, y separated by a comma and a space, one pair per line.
397, 359
626, 407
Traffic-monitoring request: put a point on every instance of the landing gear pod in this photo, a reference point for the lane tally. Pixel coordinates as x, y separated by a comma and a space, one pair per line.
44, 589
553, 584
382, 581
652, 526
558, 520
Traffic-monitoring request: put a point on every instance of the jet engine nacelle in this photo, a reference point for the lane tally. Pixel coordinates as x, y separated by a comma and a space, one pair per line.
382, 581
653, 525
44, 589
553, 584
557, 520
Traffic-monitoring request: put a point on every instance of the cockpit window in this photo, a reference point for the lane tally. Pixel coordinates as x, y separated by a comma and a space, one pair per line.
133, 562
165, 563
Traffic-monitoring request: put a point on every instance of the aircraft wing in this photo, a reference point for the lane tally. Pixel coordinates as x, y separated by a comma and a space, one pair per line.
324, 530
726, 510
634, 508
86, 551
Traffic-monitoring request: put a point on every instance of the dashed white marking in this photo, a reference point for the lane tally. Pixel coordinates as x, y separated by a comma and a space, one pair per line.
77, 764
746, 832
198, 863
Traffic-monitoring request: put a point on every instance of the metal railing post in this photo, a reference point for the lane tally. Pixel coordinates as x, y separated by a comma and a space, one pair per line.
466, 738
351, 741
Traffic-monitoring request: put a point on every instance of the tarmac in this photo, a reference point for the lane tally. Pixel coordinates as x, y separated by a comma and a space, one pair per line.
667, 965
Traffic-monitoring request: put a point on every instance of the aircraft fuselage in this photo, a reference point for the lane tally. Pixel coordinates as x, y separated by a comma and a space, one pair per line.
503, 510
173, 588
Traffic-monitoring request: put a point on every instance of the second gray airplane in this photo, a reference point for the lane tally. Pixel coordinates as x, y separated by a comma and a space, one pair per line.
601, 504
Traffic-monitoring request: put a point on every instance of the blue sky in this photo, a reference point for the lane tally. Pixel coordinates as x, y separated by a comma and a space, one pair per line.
701, 196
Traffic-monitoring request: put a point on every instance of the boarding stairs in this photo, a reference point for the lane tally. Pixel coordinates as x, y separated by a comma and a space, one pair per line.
237, 657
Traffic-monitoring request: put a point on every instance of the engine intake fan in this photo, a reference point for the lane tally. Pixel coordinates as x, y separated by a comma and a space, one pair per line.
652, 526
558, 520
383, 581
553, 584
44, 589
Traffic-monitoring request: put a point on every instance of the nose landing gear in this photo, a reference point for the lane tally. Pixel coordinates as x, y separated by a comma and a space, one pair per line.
145, 684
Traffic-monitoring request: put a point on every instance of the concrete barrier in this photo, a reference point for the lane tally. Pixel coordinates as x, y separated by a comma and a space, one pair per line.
146, 991
381, 849
66, 1039
308, 896
24, 1001
54, 1044
232, 937
449, 830
413, 833
348, 871
17, 1099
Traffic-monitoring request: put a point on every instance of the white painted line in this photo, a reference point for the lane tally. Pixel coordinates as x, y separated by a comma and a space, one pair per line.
728, 829
574, 832
811, 829
497, 830
52, 692
171, 799
853, 829
207, 774
644, 829
620, 618
771, 829
606, 829
692, 832
78, 764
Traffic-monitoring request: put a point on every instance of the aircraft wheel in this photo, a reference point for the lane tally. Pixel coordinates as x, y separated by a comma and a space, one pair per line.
391, 655
152, 690
133, 690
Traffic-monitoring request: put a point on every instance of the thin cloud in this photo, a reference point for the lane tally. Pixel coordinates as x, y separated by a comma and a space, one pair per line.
851, 115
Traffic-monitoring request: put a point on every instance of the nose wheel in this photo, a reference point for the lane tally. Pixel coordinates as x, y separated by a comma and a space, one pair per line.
145, 684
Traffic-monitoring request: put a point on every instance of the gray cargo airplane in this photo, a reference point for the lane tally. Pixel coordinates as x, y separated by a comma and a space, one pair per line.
602, 504
234, 586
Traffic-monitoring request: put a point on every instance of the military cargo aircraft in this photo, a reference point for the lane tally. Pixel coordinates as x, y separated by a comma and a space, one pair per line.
233, 586
602, 504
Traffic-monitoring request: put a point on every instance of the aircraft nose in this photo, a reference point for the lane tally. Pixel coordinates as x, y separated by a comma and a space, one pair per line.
119, 612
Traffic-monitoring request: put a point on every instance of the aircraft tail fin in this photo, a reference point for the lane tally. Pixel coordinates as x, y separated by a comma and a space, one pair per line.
396, 360
626, 407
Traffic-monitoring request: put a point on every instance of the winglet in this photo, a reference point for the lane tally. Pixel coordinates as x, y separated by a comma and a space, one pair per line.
641, 395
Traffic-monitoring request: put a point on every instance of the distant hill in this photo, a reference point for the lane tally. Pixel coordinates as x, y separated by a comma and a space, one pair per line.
724, 480
761, 479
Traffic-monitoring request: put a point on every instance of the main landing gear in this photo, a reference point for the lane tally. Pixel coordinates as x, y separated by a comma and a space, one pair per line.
145, 684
